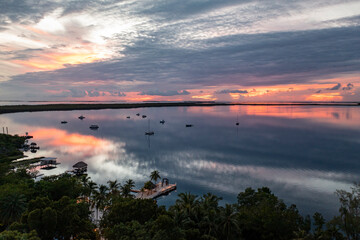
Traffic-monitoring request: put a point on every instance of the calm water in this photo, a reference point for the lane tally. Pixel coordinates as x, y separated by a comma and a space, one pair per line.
303, 153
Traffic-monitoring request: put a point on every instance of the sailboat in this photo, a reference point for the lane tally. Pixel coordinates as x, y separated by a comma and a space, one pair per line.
148, 132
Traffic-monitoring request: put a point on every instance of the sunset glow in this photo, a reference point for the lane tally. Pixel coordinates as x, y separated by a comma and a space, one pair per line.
134, 51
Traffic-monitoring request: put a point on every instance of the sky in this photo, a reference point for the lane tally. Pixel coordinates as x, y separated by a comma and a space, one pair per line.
191, 50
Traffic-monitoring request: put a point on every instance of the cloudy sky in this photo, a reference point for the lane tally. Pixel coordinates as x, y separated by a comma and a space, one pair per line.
228, 50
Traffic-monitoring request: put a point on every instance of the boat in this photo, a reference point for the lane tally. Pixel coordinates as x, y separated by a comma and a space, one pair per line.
143, 116
162, 121
138, 114
237, 121
34, 146
149, 133
128, 117
63, 122
94, 127
81, 117
188, 125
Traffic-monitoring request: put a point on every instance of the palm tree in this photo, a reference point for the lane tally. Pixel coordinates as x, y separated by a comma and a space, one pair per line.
92, 186
210, 201
130, 183
187, 203
100, 199
155, 175
126, 189
210, 211
84, 180
113, 187
11, 207
228, 221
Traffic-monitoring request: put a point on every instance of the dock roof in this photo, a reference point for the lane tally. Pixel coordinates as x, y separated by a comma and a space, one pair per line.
80, 164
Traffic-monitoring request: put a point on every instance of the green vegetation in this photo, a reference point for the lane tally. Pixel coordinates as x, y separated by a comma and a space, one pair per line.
155, 175
93, 106
9, 151
74, 207
9, 147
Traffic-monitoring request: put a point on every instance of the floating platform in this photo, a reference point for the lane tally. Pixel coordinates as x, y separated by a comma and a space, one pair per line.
159, 190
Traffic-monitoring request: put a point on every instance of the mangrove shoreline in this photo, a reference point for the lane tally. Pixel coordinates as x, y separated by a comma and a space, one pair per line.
96, 106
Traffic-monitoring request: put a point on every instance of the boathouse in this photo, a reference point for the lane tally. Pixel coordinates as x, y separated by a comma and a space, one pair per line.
80, 168
48, 163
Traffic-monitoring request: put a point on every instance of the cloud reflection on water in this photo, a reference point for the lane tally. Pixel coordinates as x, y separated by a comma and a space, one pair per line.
303, 153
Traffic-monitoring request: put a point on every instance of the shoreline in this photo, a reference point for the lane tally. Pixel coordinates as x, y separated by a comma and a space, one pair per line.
92, 106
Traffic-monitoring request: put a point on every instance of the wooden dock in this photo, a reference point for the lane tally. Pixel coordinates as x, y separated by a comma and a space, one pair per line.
159, 190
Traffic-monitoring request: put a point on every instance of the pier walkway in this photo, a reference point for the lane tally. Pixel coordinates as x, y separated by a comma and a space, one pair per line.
160, 189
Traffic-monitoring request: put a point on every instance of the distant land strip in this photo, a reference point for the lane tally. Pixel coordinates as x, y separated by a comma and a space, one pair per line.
94, 106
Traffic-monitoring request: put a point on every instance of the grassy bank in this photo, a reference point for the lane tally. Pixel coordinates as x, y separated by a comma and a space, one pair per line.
94, 106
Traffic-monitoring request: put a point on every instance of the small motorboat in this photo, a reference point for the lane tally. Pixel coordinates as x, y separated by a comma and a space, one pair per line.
63, 122
81, 117
143, 116
188, 125
162, 121
128, 117
94, 127
138, 114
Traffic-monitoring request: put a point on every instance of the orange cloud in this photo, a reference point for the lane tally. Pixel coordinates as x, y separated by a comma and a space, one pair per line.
53, 61
324, 97
205, 97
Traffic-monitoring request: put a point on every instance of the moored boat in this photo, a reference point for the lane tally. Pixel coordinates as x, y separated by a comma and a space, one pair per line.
94, 127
